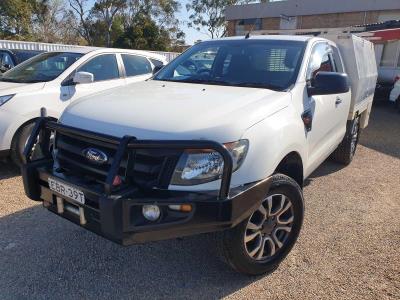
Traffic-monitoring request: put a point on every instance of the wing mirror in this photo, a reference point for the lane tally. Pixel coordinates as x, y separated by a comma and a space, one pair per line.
83, 77
157, 69
328, 83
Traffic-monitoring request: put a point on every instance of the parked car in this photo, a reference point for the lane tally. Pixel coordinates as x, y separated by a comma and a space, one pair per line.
221, 147
56, 79
395, 93
9, 58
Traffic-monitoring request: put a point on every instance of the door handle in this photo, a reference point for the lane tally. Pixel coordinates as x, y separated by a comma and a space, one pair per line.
338, 101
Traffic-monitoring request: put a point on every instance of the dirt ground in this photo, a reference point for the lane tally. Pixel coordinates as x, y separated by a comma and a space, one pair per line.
348, 248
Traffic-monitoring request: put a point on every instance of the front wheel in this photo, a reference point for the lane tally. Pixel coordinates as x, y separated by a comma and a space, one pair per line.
345, 152
259, 244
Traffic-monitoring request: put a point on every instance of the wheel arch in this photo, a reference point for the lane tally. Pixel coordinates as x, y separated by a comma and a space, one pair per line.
292, 165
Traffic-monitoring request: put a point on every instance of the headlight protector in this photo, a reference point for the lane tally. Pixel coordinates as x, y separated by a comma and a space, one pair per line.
4, 99
201, 166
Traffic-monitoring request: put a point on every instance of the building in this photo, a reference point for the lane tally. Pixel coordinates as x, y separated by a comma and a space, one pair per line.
307, 14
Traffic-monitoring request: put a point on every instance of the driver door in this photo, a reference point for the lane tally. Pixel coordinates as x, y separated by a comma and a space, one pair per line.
323, 136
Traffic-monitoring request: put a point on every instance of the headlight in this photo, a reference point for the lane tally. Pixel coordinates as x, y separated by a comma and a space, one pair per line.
4, 99
201, 166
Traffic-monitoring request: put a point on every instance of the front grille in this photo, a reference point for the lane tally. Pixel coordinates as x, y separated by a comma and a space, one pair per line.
146, 168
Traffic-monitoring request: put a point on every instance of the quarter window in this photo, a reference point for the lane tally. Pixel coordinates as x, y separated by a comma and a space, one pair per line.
320, 60
103, 67
136, 65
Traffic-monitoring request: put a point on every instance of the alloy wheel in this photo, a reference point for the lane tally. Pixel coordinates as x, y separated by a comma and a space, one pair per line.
269, 227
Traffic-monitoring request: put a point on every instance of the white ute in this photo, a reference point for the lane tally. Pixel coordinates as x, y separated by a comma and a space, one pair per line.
221, 139
56, 79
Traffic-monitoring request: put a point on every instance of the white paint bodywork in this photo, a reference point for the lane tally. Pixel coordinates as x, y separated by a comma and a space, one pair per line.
269, 120
30, 98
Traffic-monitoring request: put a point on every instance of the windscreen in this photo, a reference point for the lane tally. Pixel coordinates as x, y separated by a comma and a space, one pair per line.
42, 68
271, 64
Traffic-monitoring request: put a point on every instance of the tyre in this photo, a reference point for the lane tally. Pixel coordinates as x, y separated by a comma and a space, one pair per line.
260, 243
19, 141
345, 152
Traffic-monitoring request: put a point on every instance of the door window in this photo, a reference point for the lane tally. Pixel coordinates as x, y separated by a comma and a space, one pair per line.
337, 60
103, 67
136, 65
320, 60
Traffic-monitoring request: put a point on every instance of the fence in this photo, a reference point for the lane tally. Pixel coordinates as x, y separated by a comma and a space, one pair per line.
6, 44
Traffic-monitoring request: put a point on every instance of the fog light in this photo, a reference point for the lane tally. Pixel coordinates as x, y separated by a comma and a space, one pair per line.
151, 212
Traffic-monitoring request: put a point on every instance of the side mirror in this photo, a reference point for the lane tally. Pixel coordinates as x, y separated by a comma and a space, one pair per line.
83, 77
328, 83
157, 68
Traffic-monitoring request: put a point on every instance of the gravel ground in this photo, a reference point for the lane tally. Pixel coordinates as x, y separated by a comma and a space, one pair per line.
348, 249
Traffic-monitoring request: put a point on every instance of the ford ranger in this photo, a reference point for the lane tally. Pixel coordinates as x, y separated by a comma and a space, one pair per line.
220, 139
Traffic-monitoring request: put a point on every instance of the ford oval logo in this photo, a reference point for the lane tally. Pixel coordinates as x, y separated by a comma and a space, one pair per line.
95, 156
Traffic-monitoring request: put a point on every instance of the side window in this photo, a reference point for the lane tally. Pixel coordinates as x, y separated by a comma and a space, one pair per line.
320, 60
156, 62
103, 67
136, 65
337, 60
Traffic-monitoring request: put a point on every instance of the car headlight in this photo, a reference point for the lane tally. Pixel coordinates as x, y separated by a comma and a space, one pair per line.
201, 166
4, 99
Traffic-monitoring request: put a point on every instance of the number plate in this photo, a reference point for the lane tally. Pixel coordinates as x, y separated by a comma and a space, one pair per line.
66, 190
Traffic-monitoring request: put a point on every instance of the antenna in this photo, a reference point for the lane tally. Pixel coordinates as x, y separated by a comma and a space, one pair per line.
247, 36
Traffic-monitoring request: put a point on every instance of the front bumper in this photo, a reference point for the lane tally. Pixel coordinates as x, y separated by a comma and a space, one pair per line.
116, 215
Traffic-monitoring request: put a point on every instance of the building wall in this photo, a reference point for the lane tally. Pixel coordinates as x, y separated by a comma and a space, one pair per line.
332, 20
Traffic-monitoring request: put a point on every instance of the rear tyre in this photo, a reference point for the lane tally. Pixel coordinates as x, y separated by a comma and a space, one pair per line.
260, 243
344, 153
19, 141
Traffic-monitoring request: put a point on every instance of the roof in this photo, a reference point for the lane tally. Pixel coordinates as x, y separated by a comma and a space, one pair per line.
306, 8
85, 50
300, 38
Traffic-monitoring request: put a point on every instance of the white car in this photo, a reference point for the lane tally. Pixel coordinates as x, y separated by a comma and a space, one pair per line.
56, 79
221, 139
395, 93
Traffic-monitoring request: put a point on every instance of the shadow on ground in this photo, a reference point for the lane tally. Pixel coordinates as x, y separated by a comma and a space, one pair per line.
8, 170
41, 255
383, 131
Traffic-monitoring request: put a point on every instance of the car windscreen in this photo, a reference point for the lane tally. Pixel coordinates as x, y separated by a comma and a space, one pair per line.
23, 55
42, 68
258, 63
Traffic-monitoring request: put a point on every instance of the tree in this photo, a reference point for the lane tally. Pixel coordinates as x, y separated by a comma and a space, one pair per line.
53, 23
210, 14
16, 18
106, 11
79, 8
144, 34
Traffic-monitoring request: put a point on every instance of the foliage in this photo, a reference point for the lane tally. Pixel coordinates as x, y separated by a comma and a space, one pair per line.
140, 24
210, 14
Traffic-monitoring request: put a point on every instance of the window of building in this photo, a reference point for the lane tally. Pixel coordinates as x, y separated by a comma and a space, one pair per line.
242, 26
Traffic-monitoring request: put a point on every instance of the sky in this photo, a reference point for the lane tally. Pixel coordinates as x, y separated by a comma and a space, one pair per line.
192, 34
